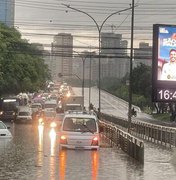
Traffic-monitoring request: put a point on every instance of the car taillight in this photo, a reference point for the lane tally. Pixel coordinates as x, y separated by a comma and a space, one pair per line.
95, 141
63, 140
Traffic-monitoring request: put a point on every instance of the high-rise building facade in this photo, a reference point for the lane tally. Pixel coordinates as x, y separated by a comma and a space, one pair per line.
7, 12
114, 61
143, 54
62, 49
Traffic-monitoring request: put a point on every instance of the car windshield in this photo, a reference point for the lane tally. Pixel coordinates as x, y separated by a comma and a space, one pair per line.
72, 107
2, 125
24, 113
50, 105
79, 124
36, 106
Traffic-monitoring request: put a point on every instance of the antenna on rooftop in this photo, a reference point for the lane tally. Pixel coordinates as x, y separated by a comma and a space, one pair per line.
112, 28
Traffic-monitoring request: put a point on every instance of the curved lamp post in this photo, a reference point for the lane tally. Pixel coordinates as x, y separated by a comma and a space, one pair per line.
83, 57
99, 28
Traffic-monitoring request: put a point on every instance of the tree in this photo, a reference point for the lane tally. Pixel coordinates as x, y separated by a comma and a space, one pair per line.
142, 80
21, 64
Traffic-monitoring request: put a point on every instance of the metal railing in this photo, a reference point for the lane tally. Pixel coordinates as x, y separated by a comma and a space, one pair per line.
128, 143
154, 133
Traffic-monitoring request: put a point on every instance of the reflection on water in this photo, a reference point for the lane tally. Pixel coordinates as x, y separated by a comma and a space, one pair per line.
40, 145
40, 134
52, 164
33, 154
52, 135
81, 164
62, 164
95, 160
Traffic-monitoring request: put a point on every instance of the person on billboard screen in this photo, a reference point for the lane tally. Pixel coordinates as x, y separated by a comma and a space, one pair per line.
169, 68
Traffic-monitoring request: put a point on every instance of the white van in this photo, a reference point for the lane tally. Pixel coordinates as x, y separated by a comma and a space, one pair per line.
50, 105
24, 115
79, 131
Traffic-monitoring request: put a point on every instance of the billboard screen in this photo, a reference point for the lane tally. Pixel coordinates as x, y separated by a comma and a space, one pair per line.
164, 63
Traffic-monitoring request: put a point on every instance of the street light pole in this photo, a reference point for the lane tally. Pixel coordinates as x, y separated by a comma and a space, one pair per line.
90, 76
83, 57
99, 28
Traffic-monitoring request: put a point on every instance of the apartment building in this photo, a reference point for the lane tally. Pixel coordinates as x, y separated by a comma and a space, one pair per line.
7, 12
143, 54
61, 55
114, 59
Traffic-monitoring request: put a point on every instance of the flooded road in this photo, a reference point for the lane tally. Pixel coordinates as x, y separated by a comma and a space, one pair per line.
33, 154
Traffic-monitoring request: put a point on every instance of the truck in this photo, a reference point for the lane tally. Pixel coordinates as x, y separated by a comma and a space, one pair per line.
73, 100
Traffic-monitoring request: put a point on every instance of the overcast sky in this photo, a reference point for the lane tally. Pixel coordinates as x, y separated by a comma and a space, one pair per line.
39, 20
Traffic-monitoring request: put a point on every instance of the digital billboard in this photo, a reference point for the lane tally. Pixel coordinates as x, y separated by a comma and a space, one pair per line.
164, 63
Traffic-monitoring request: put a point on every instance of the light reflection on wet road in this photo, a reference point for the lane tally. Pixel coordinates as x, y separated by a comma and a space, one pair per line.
32, 155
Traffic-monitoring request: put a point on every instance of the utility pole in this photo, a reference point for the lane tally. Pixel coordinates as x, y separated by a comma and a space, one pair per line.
131, 68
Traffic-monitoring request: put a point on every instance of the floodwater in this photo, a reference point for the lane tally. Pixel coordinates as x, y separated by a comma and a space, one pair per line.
33, 154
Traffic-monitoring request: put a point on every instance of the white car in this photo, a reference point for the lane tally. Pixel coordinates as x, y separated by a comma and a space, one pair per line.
4, 132
36, 107
24, 115
79, 130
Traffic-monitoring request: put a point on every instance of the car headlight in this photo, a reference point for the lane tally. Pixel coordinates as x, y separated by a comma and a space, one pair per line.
1, 112
53, 125
40, 120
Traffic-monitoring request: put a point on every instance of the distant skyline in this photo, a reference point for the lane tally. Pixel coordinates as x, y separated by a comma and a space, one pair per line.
40, 20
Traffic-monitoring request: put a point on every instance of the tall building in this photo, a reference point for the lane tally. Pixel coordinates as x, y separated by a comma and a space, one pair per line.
7, 12
114, 61
62, 49
143, 54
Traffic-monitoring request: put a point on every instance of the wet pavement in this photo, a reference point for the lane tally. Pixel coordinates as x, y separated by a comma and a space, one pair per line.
33, 154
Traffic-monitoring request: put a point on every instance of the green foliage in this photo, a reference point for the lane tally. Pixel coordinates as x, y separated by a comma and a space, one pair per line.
21, 64
122, 92
141, 80
162, 117
109, 83
141, 86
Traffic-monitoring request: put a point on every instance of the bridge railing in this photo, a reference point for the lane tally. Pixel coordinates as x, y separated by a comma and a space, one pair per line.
128, 143
155, 133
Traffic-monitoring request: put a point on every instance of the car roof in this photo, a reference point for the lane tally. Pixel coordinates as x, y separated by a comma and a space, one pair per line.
80, 114
69, 104
52, 101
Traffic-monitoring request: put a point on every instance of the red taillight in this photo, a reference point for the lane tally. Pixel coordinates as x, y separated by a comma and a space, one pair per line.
95, 141
63, 140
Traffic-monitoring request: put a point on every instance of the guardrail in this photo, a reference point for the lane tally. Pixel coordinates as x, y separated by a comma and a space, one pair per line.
154, 133
128, 143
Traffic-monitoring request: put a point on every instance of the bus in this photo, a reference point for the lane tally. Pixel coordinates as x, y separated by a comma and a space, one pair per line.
9, 108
